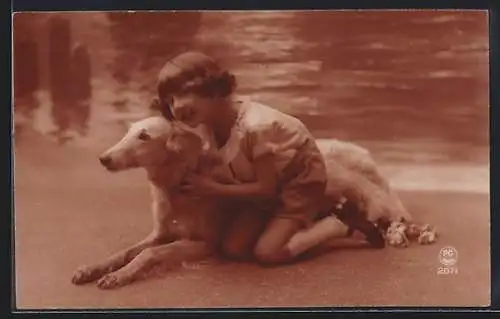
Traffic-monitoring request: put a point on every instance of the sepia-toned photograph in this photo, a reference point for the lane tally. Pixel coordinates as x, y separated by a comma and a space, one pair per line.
251, 159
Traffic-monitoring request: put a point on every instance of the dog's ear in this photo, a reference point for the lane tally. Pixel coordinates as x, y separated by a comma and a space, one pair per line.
173, 146
183, 143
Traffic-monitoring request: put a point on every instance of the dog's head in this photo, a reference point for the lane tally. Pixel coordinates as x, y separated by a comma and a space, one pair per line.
151, 142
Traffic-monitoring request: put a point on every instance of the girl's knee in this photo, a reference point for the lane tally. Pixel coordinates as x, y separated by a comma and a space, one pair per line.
272, 247
267, 254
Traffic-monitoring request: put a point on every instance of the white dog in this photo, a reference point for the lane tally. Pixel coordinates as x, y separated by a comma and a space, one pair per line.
185, 228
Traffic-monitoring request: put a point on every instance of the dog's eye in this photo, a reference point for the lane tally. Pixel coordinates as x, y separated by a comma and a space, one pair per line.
143, 136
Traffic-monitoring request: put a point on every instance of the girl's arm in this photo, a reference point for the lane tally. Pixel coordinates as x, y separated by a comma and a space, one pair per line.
265, 186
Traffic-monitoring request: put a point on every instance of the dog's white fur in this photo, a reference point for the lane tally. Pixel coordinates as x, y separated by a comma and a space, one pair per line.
185, 228
189, 229
353, 174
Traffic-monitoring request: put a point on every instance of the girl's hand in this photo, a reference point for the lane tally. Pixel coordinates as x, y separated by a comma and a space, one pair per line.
199, 185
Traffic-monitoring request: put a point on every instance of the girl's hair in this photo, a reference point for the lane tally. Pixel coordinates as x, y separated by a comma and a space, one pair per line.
192, 72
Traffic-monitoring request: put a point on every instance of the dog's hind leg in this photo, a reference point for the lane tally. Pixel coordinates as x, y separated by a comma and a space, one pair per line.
174, 254
86, 274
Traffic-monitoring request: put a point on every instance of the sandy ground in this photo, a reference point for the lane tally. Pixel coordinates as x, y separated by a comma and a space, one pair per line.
69, 212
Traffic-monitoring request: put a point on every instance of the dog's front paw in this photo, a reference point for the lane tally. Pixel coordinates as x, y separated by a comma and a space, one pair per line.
85, 274
111, 281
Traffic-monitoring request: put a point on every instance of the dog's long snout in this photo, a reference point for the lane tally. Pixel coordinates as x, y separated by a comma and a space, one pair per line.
105, 160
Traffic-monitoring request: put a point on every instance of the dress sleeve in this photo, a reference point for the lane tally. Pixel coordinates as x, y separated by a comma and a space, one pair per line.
262, 141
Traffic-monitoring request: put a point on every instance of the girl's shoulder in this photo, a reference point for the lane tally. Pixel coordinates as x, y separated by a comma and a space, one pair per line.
255, 116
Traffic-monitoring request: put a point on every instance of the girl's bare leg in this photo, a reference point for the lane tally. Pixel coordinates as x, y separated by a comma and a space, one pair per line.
321, 231
242, 234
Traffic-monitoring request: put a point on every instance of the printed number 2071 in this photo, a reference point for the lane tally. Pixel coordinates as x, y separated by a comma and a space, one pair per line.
447, 271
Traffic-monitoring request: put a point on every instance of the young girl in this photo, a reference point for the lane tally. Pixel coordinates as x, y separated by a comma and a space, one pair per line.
281, 172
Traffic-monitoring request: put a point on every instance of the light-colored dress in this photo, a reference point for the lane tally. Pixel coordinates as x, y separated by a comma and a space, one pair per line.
300, 168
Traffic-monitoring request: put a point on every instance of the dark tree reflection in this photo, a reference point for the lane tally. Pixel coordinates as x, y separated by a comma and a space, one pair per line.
144, 40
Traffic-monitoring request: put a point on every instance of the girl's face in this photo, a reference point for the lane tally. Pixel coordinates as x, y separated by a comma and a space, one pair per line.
191, 108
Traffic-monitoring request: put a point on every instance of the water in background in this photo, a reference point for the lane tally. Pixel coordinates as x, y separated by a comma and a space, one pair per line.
412, 86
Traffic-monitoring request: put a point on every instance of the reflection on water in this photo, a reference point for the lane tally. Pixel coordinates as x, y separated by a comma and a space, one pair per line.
411, 85
364, 75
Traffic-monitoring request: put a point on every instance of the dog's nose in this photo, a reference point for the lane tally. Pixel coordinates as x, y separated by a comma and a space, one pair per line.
105, 160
